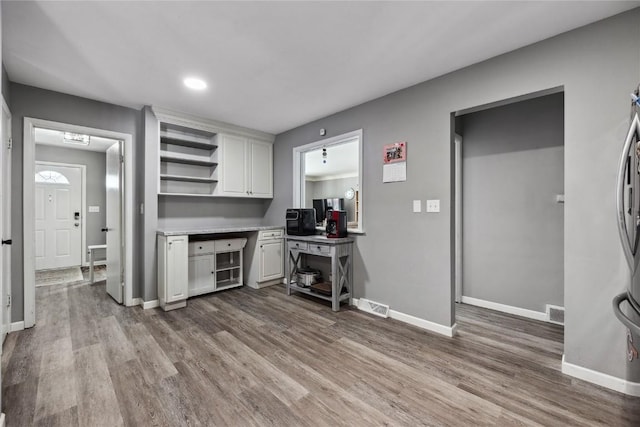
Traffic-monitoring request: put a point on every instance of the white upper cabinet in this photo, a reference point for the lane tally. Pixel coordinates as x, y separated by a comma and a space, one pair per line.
233, 153
200, 157
260, 169
246, 167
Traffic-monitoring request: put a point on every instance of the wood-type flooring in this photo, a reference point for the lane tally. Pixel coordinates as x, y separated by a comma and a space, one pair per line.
249, 357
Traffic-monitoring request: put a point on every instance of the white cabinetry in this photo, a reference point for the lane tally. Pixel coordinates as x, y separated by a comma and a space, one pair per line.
172, 271
267, 259
201, 157
246, 167
215, 265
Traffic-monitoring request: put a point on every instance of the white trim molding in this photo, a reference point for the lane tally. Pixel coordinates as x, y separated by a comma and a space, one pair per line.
601, 379
150, 304
509, 309
447, 331
16, 326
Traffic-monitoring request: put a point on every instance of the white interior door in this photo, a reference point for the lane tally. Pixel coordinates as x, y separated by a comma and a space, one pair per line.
58, 209
114, 229
5, 225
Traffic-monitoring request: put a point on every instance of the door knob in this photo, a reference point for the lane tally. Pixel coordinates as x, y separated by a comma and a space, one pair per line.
104, 229
6, 242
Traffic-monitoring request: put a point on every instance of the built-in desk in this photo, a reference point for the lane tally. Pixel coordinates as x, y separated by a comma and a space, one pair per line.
300, 253
195, 262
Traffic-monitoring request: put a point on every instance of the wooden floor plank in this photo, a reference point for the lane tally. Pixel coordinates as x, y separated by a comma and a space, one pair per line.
97, 402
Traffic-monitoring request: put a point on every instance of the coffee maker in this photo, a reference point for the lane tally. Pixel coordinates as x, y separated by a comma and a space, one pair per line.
336, 223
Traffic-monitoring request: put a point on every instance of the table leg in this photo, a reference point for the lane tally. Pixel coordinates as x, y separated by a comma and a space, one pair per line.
91, 266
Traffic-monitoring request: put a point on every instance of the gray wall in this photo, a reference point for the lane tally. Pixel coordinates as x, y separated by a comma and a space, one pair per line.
27, 101
598, 65
513, 228
96, 189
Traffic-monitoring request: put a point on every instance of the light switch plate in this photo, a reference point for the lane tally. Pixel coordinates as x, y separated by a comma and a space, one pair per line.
433, 205
94, 209
417, 206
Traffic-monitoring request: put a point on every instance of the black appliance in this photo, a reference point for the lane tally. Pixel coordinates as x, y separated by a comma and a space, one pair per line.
320, 205
323, 205
301, 222
336, 223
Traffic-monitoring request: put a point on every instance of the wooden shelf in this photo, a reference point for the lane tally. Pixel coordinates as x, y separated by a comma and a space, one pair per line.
294, 287
187, 179
227, 267
187, 160
188, 143
187, 195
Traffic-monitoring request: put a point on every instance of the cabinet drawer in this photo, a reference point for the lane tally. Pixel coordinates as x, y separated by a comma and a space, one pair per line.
201, 248
270, 234
319, 249
301, 246
224, 245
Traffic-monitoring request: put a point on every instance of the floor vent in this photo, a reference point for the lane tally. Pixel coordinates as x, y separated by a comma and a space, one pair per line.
381, 310
555, 314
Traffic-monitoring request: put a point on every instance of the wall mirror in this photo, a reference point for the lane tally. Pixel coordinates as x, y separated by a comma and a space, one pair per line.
328, 175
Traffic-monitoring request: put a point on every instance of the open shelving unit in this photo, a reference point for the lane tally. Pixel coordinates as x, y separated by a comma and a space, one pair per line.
188, 161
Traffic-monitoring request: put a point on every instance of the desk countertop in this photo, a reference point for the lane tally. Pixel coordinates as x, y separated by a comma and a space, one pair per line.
219, 230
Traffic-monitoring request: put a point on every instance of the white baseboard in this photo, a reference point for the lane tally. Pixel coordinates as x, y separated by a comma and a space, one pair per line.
523, 312
16, 326
2, 419
604, 380
150, 304
448, 331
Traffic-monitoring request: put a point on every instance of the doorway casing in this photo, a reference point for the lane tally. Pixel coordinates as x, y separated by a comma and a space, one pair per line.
28, 206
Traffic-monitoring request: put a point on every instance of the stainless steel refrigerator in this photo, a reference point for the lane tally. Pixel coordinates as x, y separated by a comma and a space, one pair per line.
626, 306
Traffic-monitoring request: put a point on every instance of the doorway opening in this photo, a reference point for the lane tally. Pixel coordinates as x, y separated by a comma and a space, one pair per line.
71, 208
508, 233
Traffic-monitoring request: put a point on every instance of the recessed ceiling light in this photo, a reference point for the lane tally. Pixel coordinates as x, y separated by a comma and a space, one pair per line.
195, 83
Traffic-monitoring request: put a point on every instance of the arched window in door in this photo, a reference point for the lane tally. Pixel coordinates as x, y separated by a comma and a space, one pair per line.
51, 177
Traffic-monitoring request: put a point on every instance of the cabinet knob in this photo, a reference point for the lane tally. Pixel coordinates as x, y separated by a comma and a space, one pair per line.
200, 247
228, 244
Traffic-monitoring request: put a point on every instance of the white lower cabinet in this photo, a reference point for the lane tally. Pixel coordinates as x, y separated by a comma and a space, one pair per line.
271, 264
267, 259
172, 271
201, 274
215, 265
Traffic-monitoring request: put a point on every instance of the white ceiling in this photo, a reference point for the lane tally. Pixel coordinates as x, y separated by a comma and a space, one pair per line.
341, 161
270, 66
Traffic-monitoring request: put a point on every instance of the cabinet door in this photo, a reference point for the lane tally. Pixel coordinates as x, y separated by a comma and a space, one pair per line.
176, 268
271, 262
201, 274
260, 169
232, 163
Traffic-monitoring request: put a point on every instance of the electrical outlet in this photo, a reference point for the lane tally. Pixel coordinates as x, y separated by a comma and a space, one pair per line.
433, 205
